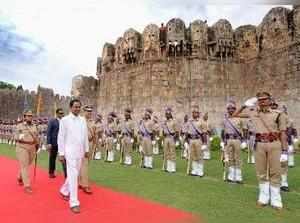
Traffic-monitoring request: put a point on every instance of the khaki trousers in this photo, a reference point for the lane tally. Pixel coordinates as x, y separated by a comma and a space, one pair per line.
284, 168
84, 169
196, 154
233, 151
100, 147
109, 144
126, 145
25, 157
169, 149
268, 167
146, 144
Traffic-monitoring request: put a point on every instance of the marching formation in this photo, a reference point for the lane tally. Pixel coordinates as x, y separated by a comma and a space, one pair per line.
259, 125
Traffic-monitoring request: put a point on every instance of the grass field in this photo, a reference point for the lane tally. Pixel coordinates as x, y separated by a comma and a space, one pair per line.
209, 197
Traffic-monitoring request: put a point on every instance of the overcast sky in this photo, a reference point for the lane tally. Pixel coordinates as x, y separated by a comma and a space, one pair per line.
47, 42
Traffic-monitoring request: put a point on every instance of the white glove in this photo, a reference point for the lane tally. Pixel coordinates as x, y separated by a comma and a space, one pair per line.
21, 136
243, 145
295, 140
177, 143
153, 142
222, 144
157, 138
290, 149
204, 147
211, 139
115, 140
226, 158
250, 102
186, 145
283, 157
131, 140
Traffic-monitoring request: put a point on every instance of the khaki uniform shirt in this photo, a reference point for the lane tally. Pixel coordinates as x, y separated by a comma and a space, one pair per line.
273, 120
110, 129
128, 127
236, 122
199, 124
91, 126
27, 133
148, 125
169, 126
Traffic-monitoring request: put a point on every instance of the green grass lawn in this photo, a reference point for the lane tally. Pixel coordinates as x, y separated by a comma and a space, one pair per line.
209, 197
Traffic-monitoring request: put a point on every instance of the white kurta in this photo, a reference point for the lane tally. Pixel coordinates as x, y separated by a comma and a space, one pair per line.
72, 143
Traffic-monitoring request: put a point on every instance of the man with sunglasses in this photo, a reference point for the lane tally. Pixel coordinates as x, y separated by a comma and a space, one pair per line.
52, 132
27, 139
271, 148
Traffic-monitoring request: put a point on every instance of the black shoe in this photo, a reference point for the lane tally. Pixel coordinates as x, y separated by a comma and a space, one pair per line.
230, 181
285, 189
52, 175
75, 209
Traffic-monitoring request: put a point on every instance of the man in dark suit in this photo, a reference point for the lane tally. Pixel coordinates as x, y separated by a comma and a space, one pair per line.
52, 133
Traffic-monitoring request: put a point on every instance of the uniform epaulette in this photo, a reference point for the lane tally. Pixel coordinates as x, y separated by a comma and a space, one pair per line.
277, 111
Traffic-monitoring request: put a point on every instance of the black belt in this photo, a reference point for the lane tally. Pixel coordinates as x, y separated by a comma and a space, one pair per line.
127, 134
232, 136
195, 137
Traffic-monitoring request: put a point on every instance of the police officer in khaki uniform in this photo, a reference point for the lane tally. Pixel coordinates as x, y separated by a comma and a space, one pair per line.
195, 166
91, 127
292, 137
169, 131
100, 148
270, 127
284, 165
27, 140
183, 137
127, 132
208, 137
156, 136
117, 141
110, 132
232, 137
146, 127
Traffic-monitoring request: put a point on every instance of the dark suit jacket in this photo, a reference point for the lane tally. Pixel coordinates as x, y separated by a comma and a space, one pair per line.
52, 132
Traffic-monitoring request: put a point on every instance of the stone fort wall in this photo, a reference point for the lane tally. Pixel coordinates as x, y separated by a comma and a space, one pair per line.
179, 66
14, 102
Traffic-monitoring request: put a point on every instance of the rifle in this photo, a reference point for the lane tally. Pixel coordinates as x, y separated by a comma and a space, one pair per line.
164, 159
188, 169
142, 159
224, 165
121, 153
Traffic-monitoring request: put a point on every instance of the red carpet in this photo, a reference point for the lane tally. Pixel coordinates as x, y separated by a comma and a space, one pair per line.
45, 205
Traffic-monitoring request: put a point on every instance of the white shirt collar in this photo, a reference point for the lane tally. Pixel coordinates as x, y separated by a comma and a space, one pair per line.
73, 116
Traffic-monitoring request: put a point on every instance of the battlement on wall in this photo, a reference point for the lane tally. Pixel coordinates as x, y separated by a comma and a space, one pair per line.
179, 66
217, 42
14, 102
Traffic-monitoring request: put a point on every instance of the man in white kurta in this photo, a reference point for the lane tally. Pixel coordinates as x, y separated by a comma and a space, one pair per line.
73, 146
